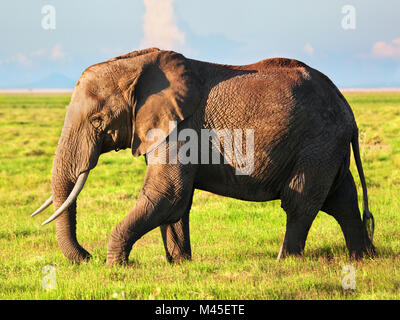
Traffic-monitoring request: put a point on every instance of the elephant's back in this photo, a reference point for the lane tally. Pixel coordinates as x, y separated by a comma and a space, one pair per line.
291, 112
275, 96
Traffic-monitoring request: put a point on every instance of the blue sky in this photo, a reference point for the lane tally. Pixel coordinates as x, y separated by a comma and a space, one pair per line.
232, 32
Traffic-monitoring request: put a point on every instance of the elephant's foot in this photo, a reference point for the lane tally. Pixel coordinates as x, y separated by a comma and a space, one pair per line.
358, 242
367, 250
118, 252
285, 252
179, 258
295, 238
120, 258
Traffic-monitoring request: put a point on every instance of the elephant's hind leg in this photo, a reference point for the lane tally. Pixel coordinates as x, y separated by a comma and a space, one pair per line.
297, 227
176, 238
302, 199
343, 206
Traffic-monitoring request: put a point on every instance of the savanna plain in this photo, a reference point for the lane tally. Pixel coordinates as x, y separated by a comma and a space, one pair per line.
234, 243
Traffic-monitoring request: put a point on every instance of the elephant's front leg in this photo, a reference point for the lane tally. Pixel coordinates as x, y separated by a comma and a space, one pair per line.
164, 198
141, 219
176, 238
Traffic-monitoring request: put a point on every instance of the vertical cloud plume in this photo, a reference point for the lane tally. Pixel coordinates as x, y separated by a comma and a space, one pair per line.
308, 49
159, 26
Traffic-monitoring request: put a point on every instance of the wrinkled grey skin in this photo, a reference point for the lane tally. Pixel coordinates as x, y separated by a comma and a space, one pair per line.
303, 128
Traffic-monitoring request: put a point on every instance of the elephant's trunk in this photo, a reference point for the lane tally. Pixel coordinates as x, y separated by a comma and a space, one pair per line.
62, 186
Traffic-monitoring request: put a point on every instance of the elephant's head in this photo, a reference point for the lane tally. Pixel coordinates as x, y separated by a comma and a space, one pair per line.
112, 107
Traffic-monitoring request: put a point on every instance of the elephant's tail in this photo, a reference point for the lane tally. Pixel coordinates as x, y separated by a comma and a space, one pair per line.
368, 218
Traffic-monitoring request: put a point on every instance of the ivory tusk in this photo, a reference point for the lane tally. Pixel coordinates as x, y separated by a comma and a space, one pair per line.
71, 198
48, 202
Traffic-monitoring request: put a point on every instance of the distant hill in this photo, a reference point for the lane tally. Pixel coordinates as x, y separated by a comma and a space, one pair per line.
53, 81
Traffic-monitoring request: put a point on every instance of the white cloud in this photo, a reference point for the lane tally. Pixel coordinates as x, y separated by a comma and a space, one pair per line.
37, 53
21, 59
159, 25
308, 49
34, 57
57, 53
382, 49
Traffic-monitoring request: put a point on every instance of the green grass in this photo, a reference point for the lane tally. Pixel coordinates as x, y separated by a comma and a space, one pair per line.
234, 243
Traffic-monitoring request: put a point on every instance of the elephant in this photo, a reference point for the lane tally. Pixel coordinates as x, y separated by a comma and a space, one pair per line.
302, 133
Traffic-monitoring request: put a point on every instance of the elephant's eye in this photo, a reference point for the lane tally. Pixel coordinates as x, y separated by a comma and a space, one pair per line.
96, 122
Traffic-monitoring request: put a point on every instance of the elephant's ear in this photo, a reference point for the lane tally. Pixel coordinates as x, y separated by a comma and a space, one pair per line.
165, 93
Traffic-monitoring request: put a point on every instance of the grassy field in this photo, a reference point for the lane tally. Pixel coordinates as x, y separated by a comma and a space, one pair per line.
234, 243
